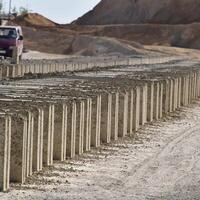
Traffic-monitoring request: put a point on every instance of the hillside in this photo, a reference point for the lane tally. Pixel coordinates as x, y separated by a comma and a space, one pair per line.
33, 19
142, 11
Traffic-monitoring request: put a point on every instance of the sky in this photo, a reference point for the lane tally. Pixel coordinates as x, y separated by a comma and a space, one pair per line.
60, 11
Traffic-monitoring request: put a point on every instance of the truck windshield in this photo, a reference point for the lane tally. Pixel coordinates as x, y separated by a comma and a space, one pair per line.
8, 33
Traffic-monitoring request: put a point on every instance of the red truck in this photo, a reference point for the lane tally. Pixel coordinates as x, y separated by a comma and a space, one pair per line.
11, 38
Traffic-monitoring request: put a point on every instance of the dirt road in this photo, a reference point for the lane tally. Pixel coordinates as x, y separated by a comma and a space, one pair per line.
161, 161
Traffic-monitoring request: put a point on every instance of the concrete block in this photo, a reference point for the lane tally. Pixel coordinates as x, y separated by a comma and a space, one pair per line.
130, 112
115, 116
29, 145
150, 101
171, 92
80, 118
160, 113
156, 100
5, 150
60, 134
143, 105
48, 135
71, 130
88, 125
136, 108
18, 161
96, 122
166, 96
38, 140
123, 114
106, 110
179, 92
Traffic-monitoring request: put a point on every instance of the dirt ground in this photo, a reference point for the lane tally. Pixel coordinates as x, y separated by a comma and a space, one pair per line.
161, 161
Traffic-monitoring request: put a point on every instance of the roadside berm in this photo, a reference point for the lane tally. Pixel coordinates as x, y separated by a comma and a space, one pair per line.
58, 117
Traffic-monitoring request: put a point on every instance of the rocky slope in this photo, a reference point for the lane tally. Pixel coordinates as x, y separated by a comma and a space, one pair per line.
142, 11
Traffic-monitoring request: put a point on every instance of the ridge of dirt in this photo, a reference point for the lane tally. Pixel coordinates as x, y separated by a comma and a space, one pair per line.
142, 11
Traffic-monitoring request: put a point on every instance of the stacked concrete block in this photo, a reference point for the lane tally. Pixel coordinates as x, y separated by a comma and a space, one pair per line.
60, 121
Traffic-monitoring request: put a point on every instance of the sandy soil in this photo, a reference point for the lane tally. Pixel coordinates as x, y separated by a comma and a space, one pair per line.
36, 55
161, 161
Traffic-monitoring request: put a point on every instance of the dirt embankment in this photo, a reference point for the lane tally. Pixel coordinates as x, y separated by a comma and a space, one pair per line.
142, 11
33, 19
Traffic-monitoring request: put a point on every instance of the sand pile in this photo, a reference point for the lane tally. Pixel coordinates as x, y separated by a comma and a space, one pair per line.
93, 46
143, 11
33, 19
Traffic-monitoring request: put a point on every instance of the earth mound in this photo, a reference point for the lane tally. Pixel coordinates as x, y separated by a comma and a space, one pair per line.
33, 19
142, 11
101, 46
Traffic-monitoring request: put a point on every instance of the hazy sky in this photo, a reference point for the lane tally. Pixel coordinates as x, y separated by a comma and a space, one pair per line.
61, 11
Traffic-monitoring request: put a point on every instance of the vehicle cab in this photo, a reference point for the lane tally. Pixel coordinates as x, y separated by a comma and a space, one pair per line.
11, 37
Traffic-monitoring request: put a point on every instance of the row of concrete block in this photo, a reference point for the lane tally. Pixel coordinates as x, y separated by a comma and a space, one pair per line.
34, 134
14, 71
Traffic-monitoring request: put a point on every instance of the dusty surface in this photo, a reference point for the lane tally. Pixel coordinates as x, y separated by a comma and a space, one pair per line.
36, 55
161, 161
